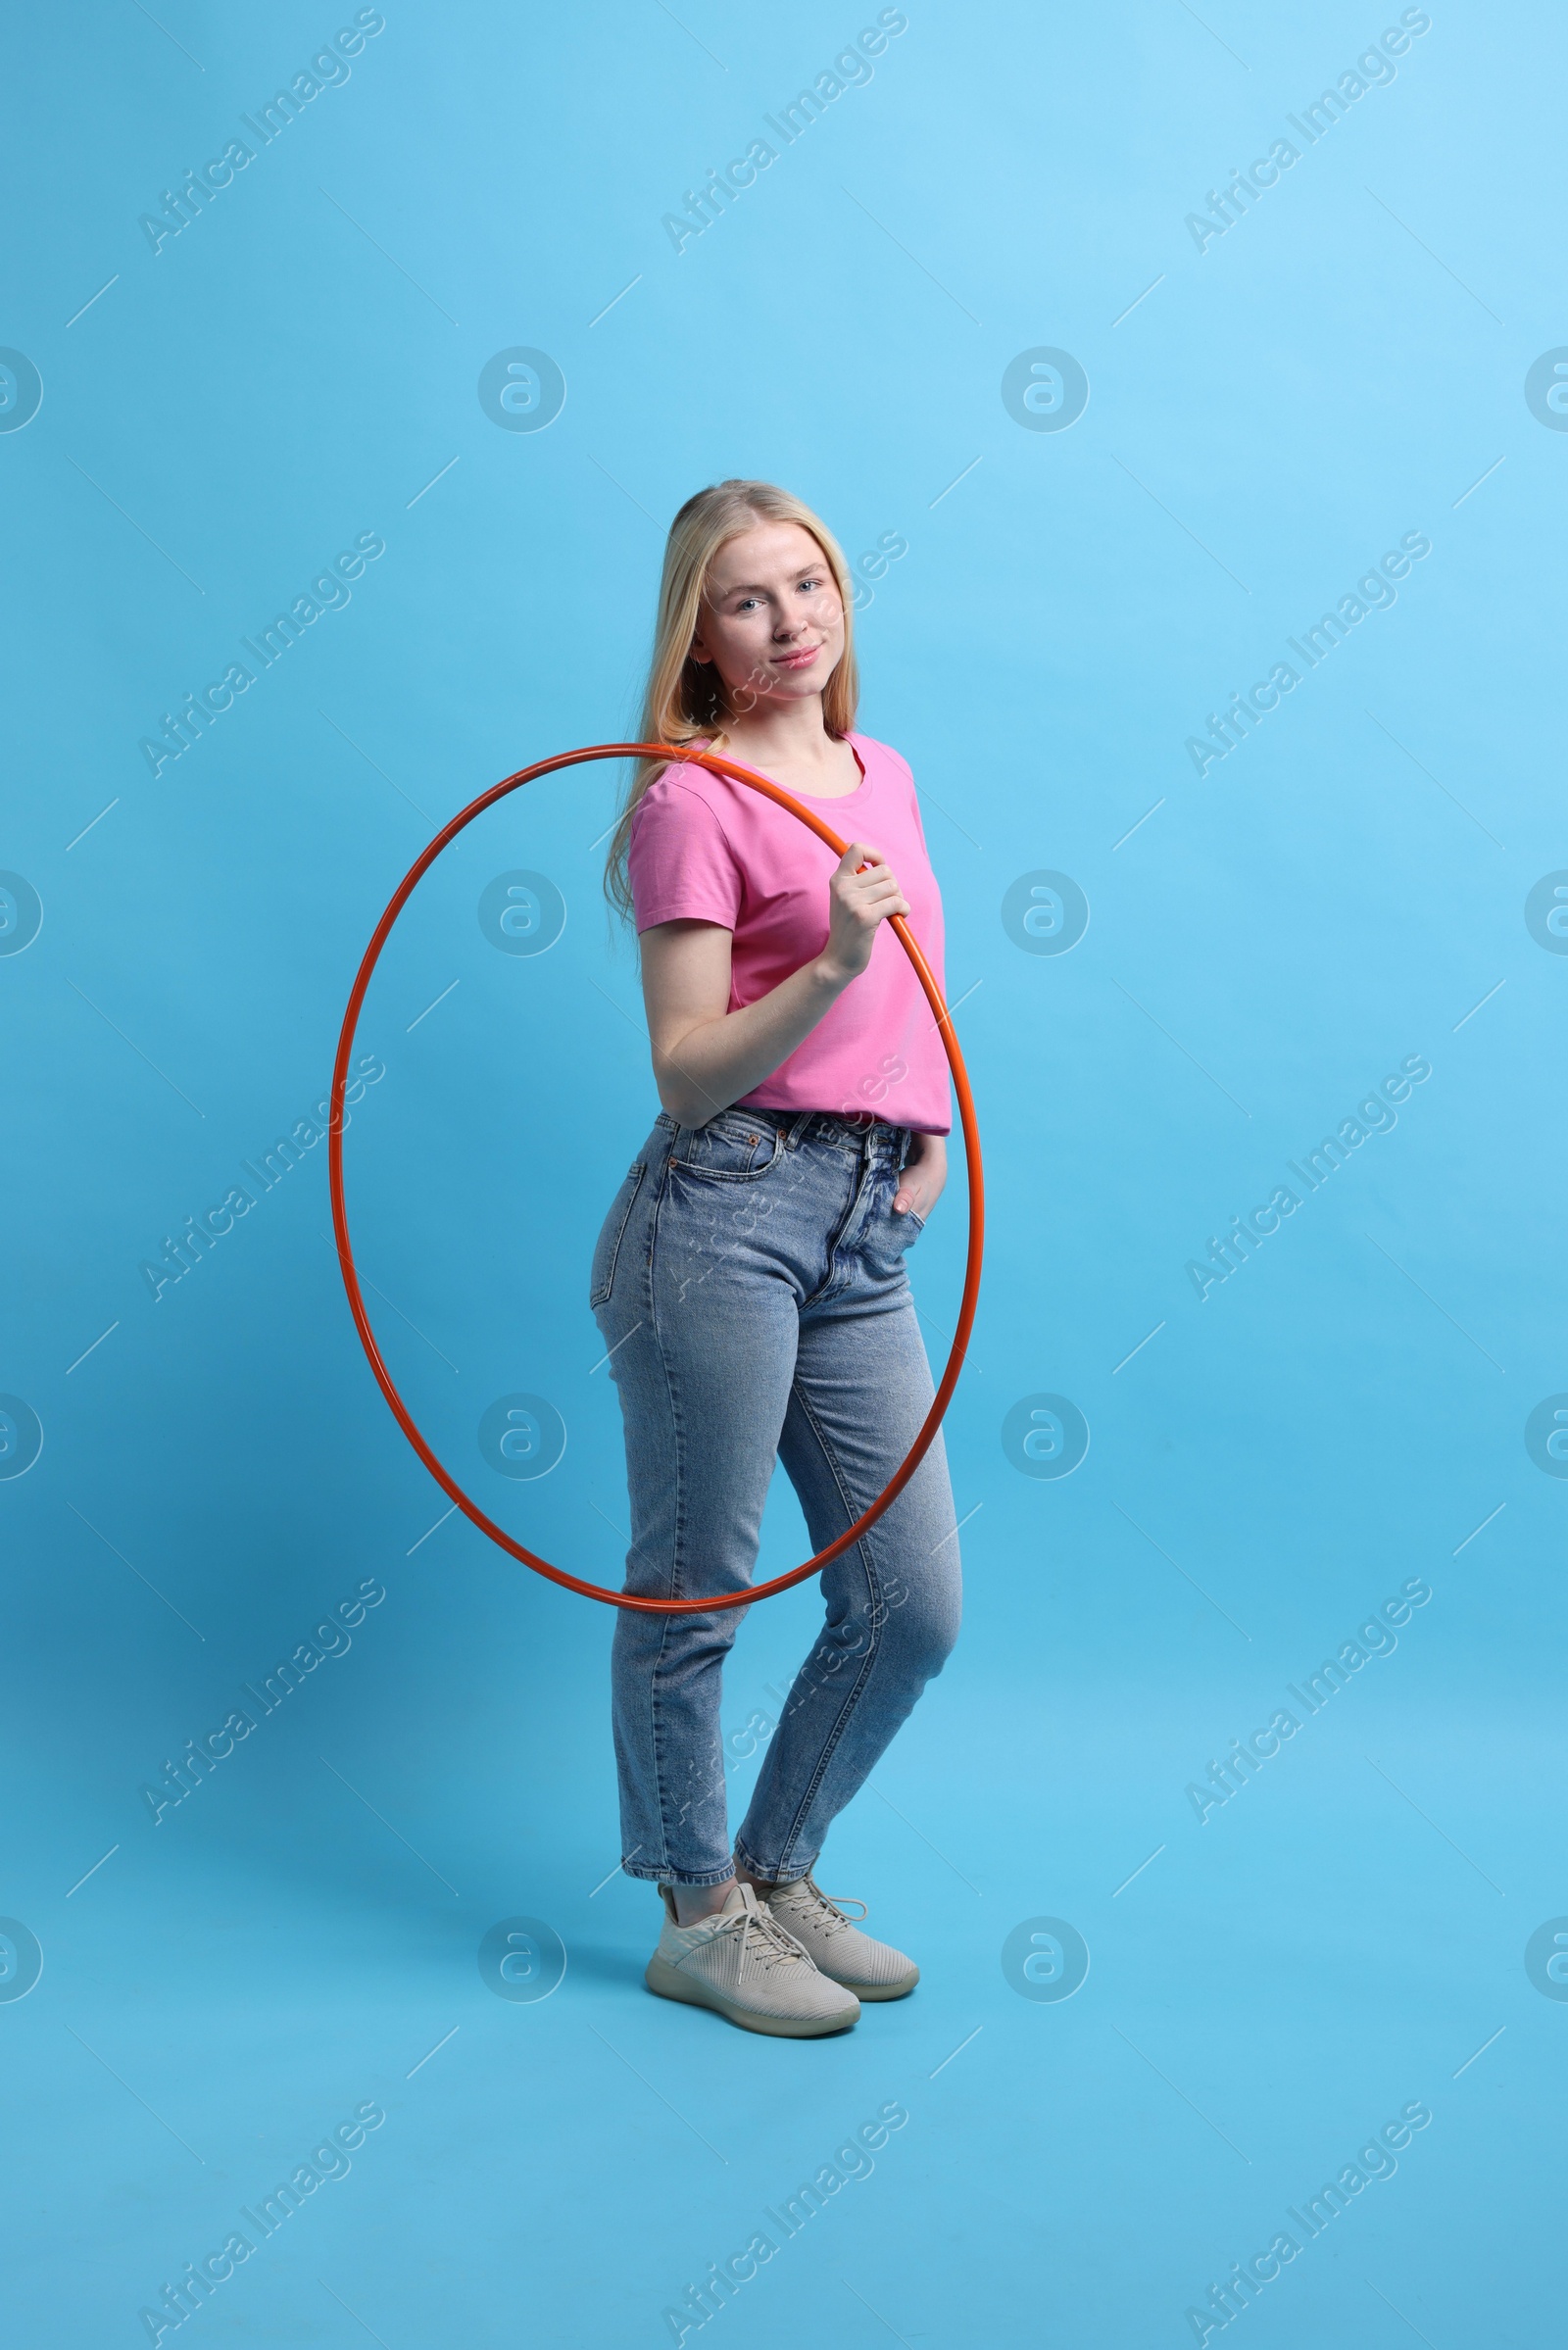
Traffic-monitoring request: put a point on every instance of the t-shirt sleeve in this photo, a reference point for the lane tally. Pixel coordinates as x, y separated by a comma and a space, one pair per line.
680, 866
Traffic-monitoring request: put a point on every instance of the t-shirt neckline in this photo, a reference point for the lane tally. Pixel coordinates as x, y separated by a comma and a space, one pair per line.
830, 799
820, 798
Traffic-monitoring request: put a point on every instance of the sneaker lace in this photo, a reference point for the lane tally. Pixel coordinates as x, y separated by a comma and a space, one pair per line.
763, 1942
831, 1911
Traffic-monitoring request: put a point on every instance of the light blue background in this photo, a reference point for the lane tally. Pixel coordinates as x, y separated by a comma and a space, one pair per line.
1265, 418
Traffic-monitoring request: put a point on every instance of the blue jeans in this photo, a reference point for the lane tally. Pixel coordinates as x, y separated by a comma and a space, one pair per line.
750, 1285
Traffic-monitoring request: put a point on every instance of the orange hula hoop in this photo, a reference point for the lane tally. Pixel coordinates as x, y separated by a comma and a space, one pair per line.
345, 1252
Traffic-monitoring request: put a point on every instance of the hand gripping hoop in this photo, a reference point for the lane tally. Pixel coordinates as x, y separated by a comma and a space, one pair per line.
340, 1222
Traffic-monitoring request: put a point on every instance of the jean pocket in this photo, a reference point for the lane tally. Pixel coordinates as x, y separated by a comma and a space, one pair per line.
606, 1249
732, 1147
889, 1237
906, 1230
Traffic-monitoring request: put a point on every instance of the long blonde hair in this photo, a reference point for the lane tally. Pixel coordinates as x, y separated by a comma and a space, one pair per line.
685, 697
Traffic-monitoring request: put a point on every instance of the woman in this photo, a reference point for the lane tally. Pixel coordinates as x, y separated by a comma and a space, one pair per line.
748, 1280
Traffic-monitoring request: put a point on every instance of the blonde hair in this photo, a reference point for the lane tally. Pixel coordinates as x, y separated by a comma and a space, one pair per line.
685, 698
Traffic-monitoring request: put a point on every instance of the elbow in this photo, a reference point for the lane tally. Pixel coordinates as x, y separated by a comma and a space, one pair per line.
678, 1073
679, 1099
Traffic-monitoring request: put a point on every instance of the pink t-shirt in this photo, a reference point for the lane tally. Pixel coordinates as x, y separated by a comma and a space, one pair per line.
706, 850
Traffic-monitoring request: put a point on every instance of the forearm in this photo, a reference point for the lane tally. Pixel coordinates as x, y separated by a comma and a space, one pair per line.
701, 1069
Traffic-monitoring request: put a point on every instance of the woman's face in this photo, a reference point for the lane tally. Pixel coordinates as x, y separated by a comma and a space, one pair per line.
772, 620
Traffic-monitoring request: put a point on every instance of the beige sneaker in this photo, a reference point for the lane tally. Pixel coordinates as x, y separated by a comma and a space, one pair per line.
871, 1969
743, 1963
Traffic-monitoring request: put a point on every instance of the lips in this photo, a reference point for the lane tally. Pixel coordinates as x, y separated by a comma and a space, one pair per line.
797, 661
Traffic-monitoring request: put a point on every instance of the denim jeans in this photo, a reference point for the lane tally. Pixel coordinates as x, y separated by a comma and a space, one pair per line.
750, 1284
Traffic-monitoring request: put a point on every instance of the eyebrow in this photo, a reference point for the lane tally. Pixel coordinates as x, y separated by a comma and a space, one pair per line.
752, 587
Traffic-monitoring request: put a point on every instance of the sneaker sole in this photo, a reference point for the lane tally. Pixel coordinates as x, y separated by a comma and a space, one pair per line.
668, 1983
881, 1990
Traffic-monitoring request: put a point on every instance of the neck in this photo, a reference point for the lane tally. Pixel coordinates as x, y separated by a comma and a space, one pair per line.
789, 733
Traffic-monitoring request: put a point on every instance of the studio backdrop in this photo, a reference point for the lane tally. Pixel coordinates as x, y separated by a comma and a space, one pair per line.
1189, 394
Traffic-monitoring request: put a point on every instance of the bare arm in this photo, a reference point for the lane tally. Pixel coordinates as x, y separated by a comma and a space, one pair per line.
707, 1056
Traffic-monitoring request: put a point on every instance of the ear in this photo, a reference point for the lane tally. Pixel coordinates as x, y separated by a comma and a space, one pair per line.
699, 650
